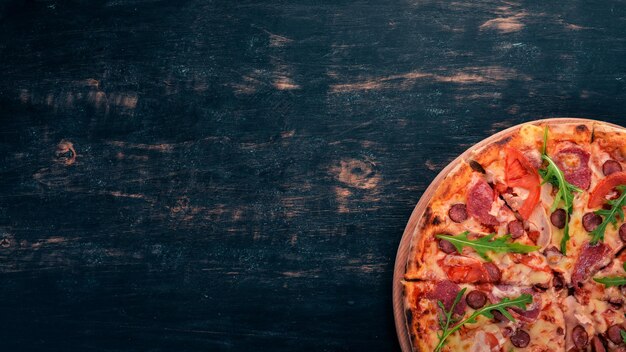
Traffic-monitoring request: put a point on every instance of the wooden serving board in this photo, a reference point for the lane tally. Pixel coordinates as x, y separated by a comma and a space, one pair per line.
418, 212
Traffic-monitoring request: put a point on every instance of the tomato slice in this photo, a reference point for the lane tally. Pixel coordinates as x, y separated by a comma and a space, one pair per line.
491, 340
500, 187
531, 202
519, 172
465, 273
606, 185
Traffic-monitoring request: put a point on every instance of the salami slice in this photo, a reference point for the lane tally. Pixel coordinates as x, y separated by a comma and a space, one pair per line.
591, 259
531, 313
446, 291
574, 162
479, 200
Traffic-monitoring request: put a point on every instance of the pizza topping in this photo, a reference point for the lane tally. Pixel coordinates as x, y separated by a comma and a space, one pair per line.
531, 313
591, 259
610, 167
610, 215
597, 345
554, 175
604, 188
493, 273
458, 212
565, 194
463, 269
445, 292
557, 218
553, 255
479, 200
476, 299
558, 282
574, 162
484, 342
447, 315
580, 336
534, 236
469, 270
515, 228
520, 173
498, 317
520, 339
446, 246
487, 243
614, 333
449, 326
622, 232
466, 273
610, 281
591, 221
539, 227
616, 302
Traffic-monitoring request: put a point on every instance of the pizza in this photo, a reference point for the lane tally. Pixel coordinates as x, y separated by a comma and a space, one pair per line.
521, 246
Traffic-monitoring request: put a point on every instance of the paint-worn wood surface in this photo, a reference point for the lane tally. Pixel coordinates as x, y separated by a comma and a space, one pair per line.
221, 175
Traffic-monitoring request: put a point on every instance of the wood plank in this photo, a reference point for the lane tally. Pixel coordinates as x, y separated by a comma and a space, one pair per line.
242, 172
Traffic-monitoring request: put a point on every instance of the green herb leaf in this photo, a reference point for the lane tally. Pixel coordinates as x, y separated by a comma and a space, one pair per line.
610, 216
553, 175
488, 243
623, 333
609, 281
520, 302
445, 324
566, 236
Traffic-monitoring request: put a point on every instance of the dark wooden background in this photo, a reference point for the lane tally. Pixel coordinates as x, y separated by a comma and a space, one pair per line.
236, 175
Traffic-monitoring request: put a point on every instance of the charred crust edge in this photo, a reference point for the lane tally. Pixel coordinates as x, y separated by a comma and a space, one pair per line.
475, 165
503, 141
436, 220
427, 218
593, 133
582, 128
408, 313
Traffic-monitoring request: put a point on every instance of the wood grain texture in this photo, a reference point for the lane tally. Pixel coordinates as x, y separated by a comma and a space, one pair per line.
411, 236
225, 176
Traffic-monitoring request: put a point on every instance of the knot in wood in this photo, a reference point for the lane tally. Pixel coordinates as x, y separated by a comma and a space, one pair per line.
65, 152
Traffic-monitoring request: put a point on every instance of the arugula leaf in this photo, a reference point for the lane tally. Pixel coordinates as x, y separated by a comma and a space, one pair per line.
610, 216
553, 175
448, 314
609, 281
520, 302
623, 333
488, 243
